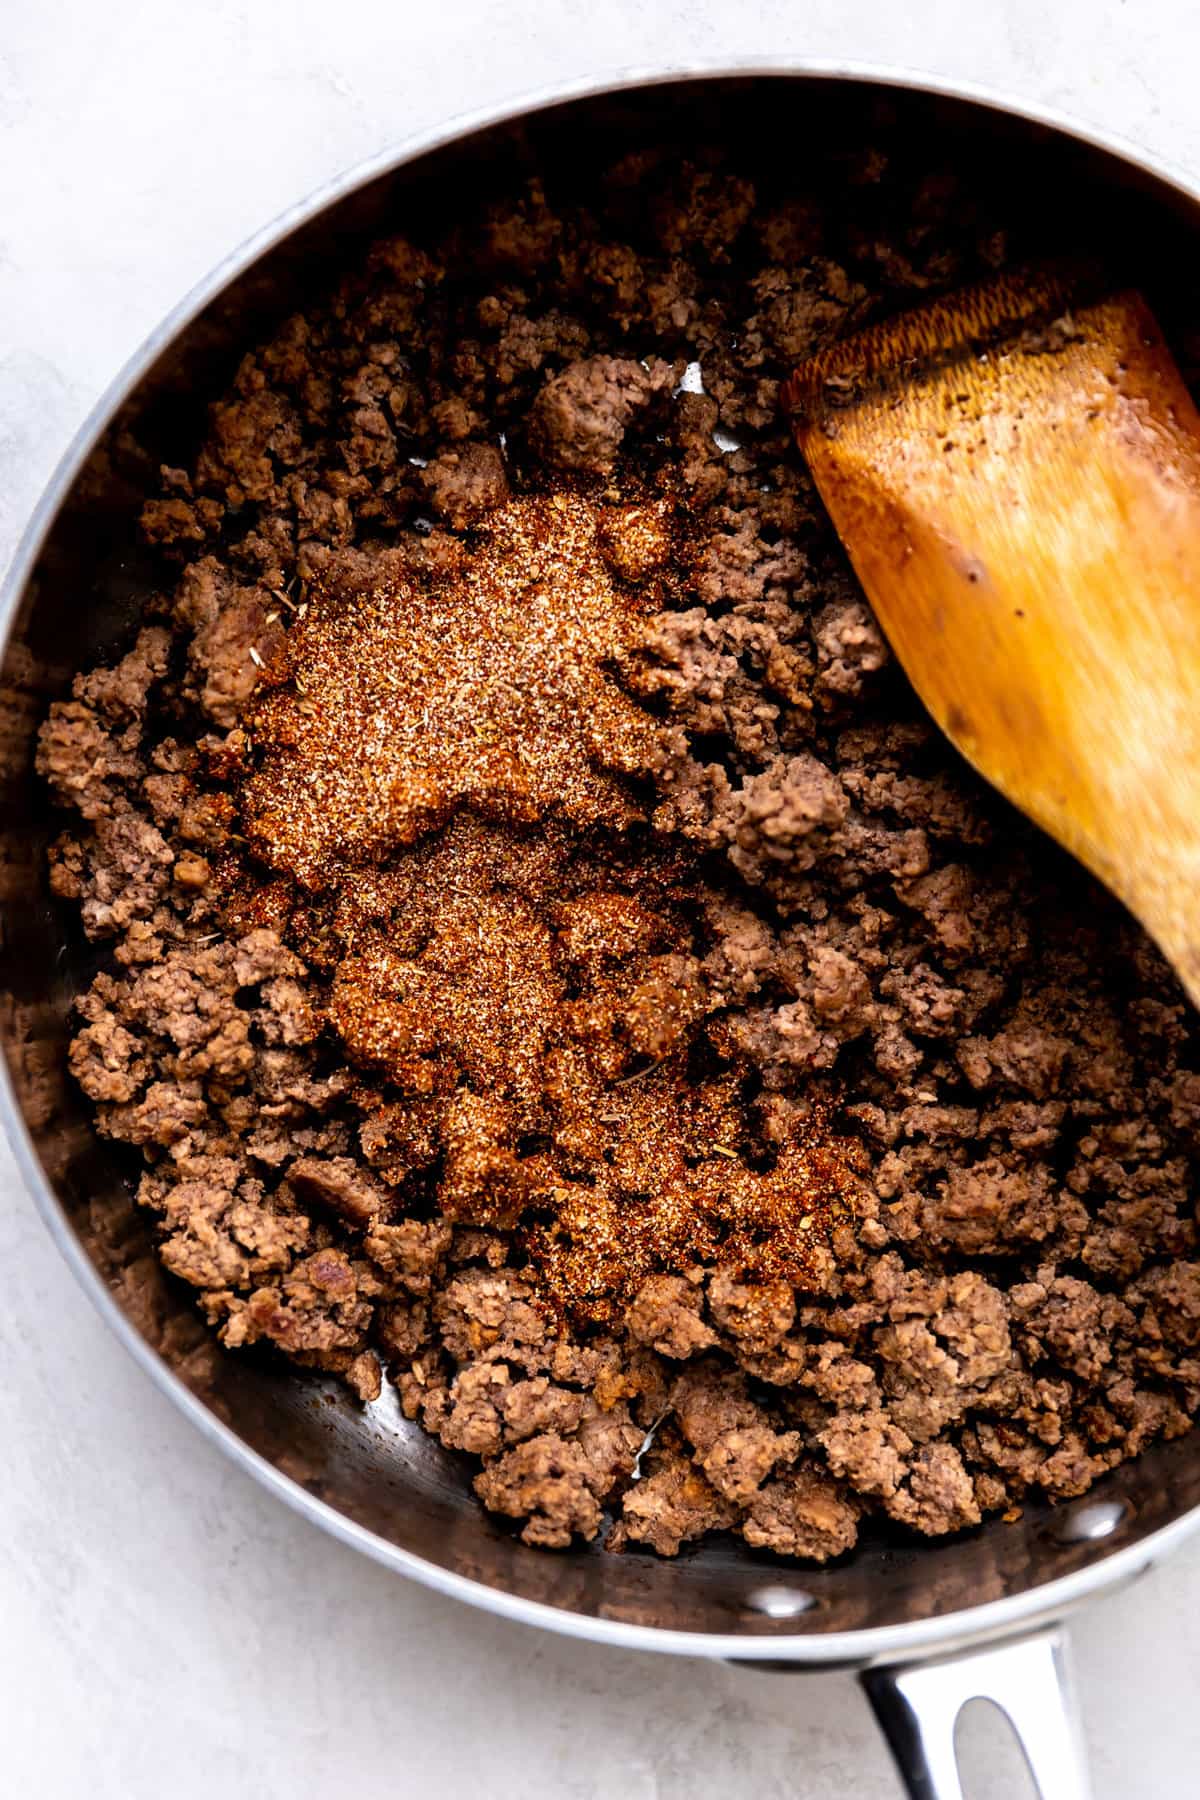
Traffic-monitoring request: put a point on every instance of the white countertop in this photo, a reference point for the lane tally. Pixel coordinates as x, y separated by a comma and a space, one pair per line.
166, 1629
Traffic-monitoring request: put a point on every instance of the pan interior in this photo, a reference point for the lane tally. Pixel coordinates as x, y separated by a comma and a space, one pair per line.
377, 1470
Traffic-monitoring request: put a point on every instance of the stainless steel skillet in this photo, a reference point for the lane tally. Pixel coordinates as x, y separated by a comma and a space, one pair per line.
927, 1626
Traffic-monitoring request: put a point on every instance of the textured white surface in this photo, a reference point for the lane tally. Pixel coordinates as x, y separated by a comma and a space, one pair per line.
165, 1628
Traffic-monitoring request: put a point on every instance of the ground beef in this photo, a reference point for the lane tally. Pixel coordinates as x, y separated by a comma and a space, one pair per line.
464, 484
548, 957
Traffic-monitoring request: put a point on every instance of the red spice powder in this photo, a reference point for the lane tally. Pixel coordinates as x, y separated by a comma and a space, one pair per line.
441, 784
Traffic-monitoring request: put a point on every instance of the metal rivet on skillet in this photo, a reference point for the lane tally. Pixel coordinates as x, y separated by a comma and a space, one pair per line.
780, 1602
1086, 1524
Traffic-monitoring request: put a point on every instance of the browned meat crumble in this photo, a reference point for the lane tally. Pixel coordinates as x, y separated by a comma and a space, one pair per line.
555, 966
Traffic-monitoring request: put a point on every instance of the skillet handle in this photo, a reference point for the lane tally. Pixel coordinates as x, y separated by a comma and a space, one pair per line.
1029, 1678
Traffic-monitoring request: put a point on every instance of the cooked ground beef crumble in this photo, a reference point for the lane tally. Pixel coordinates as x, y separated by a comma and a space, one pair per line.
554, 964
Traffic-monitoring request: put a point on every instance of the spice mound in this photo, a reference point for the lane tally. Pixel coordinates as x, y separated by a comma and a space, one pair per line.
491, 689
536, 995
549, 963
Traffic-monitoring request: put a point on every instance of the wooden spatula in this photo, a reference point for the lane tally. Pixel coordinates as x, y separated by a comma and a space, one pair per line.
1017, 481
